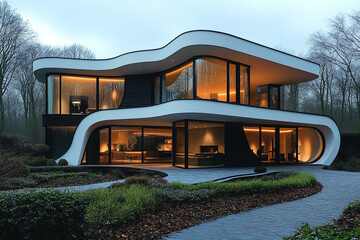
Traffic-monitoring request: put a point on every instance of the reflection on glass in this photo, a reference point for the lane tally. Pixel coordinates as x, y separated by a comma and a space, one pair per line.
206, 143
157, 90
268, 143
178, 83
78, 95
180, 144
111, 92
262, 96
274, 97
53, 89
126, 145
211, 77
104, 146
157, 145
252, 136
310, 144
232, 82
287, 144
244, 85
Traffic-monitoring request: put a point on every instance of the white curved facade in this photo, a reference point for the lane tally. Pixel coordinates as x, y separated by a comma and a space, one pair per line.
266, 66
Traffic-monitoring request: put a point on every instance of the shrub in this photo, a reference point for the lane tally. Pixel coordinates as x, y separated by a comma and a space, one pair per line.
328, 231
25, 159
39, 161
36, 150
178, 196
141, 180
119, 205
16, 183
42, 215
159, 181
12, 168
353, 207
50, 162
63, 162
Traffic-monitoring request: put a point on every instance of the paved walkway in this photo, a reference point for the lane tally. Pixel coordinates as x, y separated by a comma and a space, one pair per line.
276, 221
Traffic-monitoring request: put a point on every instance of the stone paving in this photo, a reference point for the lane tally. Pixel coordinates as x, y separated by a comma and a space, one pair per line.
276, 221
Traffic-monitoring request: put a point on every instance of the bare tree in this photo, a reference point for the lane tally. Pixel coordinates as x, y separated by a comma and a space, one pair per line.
77, 51
14, 33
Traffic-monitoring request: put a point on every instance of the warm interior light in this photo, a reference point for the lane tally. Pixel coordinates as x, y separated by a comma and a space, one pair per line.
80, 78
266, 130
113, 95
179, 69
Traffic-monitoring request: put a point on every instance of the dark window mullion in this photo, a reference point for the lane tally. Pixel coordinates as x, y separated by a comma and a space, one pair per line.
228, 81
59, 94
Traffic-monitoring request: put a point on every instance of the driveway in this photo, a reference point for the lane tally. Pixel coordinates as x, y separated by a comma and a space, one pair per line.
276, 221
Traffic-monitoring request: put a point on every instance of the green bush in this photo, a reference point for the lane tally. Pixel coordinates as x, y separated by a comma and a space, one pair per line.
17, 183
299, 180
50, 162
328, 231
353, 207
12, 168
142, 180
39, 161
42, 215
63, 162
118, 205
178, 196
25, 159
36, 150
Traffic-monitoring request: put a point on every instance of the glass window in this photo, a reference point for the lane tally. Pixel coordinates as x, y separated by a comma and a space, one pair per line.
206, 143
244, 85
211, 78
111, 92
262, 96
157, 145
180, 144
232, 82
268, 144
53, 90
157, 90
78, 95
126, 145
310, 144
104, 146
288, 145
274, 97
178, 83
252, 136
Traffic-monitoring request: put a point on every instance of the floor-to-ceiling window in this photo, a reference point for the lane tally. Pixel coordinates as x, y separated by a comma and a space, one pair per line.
53, 93
310, 145
178, 84
111, 92
211, 78
179, 141
157, 145
78, 95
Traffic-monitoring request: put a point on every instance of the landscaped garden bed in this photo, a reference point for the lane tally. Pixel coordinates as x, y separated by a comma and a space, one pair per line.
347, 227
142, 207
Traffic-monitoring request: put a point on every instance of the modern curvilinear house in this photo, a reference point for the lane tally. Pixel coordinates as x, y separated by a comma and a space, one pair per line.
205, 99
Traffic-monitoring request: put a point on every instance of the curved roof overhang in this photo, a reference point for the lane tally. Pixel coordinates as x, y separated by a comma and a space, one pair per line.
268, 66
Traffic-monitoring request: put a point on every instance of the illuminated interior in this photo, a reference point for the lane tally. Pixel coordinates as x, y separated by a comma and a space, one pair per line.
157, 145
78, 95
53, 91
111, 92
308, 143
179, 144
211, 79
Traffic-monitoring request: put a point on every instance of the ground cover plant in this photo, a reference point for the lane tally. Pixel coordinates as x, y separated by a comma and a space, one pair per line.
346, 227
150, 202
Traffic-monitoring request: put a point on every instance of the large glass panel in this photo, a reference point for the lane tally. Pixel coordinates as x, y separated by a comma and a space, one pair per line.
104, 146
111, 92
178, 83
262, 96
179, 144
310, 144
59, 139
211, 78
206, 143
274, 97
232, 82
157, 90
126, 145
53, 90
267, 144
288, 145
252, 135
157, 145
244, 85
78, 95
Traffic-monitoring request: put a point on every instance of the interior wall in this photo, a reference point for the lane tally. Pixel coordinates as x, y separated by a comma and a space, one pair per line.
205, 137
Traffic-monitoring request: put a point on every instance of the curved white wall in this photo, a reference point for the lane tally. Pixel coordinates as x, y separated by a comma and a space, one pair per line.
166, 113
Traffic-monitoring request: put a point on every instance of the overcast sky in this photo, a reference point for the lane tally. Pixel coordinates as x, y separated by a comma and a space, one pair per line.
113, 27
